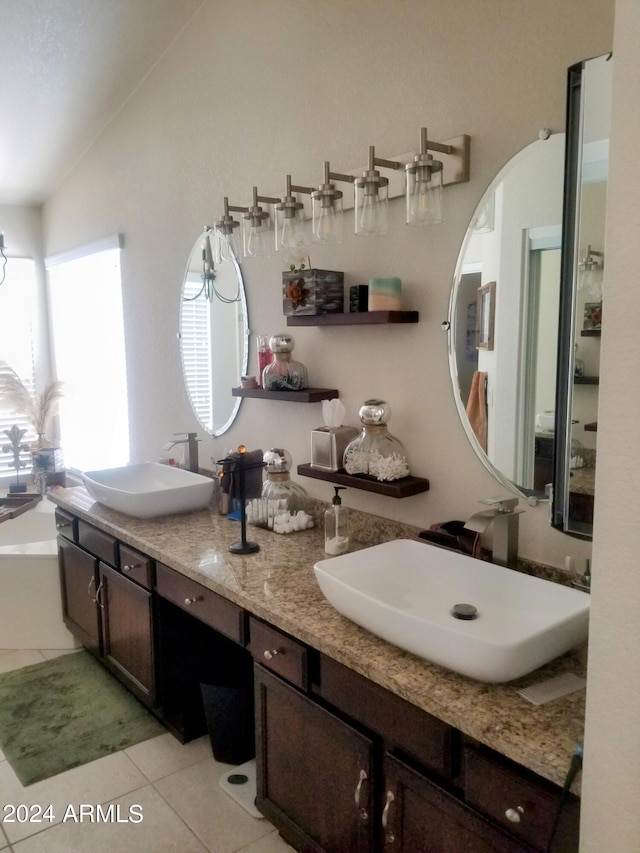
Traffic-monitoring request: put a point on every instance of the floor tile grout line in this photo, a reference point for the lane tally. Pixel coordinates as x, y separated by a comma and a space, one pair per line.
166, 775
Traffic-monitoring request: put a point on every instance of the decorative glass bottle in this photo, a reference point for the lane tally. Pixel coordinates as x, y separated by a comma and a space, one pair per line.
375, 452
282, 507
284, 374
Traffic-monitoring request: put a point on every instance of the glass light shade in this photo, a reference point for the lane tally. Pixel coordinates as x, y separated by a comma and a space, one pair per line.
255, 236
484, 220
327, 217
225, 246
291, 238
423, 196
590, 282
371, 202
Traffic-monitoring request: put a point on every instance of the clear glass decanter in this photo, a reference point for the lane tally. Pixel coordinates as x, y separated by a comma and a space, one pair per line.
284, 374
375, 452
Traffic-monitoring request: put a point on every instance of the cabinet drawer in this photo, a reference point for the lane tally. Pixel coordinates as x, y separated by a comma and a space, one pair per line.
203, 604
405, 728
279, 652
66, 525
519, 801
99, 544
136, 566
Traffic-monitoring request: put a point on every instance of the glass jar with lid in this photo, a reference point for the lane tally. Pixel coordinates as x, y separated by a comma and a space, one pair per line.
284, 374
375, 452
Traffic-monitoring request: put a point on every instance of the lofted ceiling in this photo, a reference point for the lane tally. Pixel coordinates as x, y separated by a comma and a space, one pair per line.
66, 68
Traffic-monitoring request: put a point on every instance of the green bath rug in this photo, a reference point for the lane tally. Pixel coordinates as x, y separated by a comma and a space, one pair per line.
66, 712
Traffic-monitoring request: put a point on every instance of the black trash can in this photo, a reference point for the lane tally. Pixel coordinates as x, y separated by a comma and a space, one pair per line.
229, 715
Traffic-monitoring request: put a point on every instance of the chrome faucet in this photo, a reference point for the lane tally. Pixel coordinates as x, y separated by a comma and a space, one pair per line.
191, 456
503, 516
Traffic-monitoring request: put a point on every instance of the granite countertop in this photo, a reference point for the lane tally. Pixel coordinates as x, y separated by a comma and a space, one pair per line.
582, 481
278, 585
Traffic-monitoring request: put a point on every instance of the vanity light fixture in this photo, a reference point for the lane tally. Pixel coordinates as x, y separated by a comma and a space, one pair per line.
255, 225
326, 207
290, 237
4, 258
225, 242
589, 268
208, 274
371, 197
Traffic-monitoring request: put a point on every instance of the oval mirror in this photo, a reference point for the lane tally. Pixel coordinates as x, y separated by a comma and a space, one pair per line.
503, 316
214, 336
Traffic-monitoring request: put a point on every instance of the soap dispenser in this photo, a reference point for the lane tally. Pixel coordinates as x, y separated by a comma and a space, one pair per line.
336, 526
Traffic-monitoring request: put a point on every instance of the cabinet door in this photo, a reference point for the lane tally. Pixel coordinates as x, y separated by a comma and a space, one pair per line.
78, 582
314, 772
127, 631
420, 817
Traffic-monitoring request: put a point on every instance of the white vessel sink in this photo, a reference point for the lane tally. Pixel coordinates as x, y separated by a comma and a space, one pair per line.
149, 490
404, 591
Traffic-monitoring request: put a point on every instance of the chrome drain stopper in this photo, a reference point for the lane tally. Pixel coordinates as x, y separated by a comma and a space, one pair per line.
464, 611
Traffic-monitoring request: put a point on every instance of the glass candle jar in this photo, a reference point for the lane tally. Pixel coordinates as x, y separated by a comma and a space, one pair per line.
284, 374
375, 452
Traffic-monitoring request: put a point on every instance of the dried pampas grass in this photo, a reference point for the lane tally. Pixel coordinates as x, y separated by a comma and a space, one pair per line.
16, 396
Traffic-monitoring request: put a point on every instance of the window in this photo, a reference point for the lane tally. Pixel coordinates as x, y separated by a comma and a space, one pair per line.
195, 337
17, 319
85, 304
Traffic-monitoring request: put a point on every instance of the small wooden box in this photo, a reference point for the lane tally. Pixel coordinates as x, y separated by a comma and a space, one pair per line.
313, 292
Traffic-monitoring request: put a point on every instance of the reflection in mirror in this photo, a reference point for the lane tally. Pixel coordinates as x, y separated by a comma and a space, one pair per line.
214, 336
504, 318
583, 265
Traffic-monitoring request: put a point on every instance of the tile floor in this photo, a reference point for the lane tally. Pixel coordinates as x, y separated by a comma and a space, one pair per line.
174, 787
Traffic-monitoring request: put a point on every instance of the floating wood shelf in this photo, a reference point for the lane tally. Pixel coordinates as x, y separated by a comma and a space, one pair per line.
309, 395
592, 427
353, 318
404, 488
591, 333
586, 380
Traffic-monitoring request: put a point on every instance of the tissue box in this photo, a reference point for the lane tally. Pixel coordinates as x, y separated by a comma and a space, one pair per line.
328, 445
312, 292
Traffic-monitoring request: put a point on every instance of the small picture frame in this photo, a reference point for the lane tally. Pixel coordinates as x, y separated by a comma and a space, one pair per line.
592, 317
486, 316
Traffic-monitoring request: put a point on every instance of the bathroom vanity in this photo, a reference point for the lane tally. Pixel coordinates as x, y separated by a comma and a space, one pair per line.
360, 746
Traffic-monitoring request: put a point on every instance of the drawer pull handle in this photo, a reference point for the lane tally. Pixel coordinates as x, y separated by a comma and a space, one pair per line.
129, 567
269, 655
190, 601
362, 811
389, 836
60, 525
514, 815
92, 582
99, 592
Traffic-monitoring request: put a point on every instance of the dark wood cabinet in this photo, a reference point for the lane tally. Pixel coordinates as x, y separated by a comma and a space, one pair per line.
128, 631
349, 766
109, 614
419, 816
79, 585
315, 771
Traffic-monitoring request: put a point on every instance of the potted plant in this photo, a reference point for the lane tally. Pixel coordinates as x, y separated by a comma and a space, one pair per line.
37, 408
